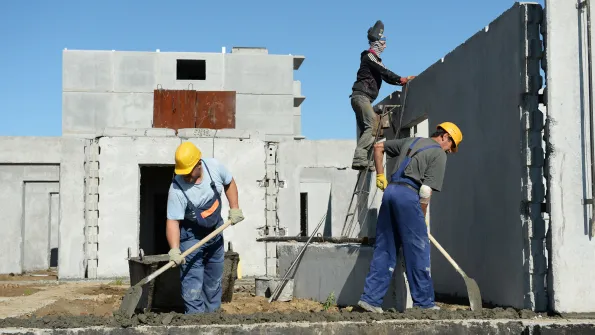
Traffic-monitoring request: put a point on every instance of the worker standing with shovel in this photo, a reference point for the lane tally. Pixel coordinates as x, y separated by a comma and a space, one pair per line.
193, 212
420, 170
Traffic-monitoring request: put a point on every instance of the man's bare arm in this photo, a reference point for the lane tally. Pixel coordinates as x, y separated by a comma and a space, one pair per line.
231, 192
379, 157
172, 232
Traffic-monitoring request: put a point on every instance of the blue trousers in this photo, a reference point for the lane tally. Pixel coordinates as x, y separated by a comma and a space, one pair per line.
400, 223
201, 275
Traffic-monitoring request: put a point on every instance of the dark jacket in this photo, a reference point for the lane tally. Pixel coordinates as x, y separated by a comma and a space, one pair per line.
370, 75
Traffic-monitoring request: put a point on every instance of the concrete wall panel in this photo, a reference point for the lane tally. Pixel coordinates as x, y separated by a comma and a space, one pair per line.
37, 224
166, 75
13, 202
321, 161
246, 161
72, 209
82, 110
253, 74
270, 114
119, 195
54, 228
33, 149
134, 71
572, 257
476, 217
340, 269
85, 71
132, 110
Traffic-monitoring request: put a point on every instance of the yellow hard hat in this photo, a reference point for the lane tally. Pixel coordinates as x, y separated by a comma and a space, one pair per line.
454, 132
187, 156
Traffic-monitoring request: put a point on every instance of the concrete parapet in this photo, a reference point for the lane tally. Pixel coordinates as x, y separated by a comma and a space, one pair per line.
135, 132
339, 269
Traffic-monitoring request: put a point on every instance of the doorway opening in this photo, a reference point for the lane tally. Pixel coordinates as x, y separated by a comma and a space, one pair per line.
155, 181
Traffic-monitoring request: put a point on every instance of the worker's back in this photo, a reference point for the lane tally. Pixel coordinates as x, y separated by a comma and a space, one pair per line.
426, 167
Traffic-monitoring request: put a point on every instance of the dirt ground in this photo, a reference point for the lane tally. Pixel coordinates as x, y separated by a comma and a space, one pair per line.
31, 299
56, 304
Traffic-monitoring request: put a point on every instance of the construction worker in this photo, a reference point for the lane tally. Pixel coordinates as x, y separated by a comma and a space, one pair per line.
365, 90
193, 212
401, 220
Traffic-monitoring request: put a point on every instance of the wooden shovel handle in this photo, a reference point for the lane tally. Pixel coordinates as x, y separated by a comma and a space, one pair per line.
189, 251
452, 261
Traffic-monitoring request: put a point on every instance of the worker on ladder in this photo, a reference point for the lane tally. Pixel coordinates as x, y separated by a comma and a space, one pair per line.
365, 90
401, 220
193, 212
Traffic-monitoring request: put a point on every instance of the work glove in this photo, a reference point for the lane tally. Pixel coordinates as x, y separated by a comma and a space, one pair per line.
381, 181
235, 215
176, 255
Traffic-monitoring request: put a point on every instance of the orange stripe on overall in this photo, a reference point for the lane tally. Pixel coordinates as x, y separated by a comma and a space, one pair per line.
210, 211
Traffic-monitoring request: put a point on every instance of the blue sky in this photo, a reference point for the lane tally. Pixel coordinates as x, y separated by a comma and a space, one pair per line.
331, 34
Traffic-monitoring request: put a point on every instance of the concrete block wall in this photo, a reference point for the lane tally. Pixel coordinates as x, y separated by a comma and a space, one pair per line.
114, 89
569, 98
481, 217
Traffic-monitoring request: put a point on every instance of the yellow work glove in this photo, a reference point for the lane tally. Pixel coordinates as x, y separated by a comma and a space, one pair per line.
381, 181
235, 215
176, 256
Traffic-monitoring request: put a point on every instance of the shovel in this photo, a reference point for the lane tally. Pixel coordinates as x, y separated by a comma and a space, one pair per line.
133, 295
472, 288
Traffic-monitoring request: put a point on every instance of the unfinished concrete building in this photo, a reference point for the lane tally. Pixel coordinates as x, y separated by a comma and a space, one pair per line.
515, 213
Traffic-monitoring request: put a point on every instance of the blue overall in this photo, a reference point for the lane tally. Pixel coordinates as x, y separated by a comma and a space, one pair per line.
401, 222
202, 272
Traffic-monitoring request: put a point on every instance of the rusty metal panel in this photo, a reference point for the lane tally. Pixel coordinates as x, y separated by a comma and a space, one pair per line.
174, 109
216, 109
178, 109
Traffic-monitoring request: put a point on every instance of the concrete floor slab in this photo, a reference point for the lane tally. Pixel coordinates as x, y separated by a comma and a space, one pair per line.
369, 326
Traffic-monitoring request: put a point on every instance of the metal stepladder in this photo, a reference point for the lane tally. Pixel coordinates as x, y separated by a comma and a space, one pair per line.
362, 186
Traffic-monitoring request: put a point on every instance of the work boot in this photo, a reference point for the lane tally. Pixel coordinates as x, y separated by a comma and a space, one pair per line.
433, 307
369, 307
359, 165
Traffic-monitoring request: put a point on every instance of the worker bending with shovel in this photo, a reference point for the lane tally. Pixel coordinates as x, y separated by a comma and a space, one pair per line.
365, 90
193, 212
420, 170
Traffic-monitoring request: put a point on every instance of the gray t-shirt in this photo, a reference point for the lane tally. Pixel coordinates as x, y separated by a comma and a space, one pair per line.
427, 167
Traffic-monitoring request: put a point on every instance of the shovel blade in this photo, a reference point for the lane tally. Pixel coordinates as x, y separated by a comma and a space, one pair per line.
474, 294
130, 301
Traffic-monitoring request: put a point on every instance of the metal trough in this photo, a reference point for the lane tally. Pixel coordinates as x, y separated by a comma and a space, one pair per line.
164, 293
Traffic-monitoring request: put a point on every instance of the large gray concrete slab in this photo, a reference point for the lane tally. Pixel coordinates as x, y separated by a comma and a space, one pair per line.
259, 74
338, 269
477, 216
37, 224
570, 283
326, 161
30, 149
271, 114
215, 71
71, 238
13, 200
246, 161
119, 195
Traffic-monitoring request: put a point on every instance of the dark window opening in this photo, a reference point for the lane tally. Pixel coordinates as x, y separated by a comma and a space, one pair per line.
154, 186
191, 69
303, 214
